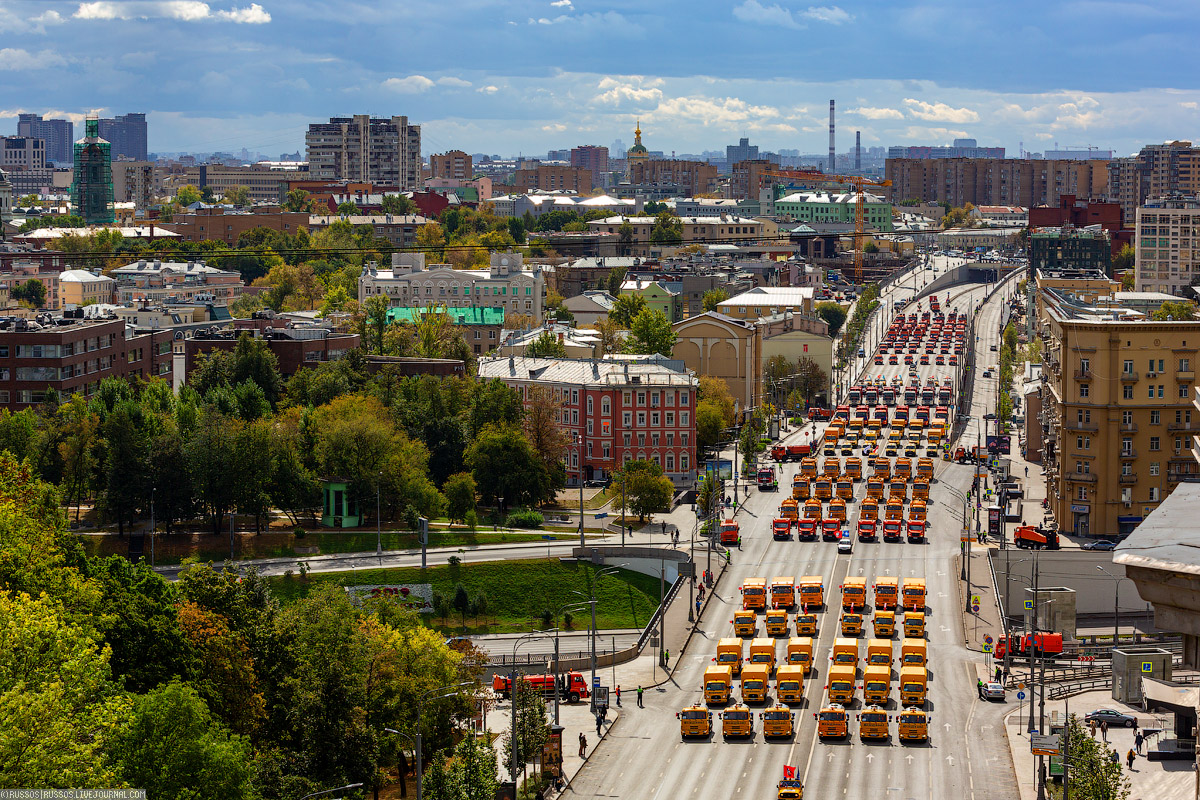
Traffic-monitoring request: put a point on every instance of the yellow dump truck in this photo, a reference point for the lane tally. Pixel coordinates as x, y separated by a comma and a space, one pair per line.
745, 623
833, 722
912, 725
912, 653
756, 681
799, 653
841, 684
812, 592
885, 624
778, 721
729, 654
913, 681
718, 682
789, 684
777, 622
845, 651
877, 684
873, 723
762, 651
694, 721
737, 720
914, 624
879, 652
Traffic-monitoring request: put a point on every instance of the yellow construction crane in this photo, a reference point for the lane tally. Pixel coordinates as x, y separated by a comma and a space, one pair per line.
860, 211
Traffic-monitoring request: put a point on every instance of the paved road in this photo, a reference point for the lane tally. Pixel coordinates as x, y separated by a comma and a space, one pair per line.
570, 644
966, 758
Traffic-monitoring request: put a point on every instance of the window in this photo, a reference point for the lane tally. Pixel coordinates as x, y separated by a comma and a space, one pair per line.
604, 406
683, 419
654, 399
1160, 390
1085, 365
1155, 416
1184, 390
670, 438
1127, 368
1083, 390
1178, 445
641, 398
1083, 442
1081, 466
626, 398
654, 439
1154, 443
606, 450
589, 406
1085, 414
1127, 418
1081, 494
574, 397
654, 419
683, 396
627, 440
1150, 391
641, 419
641, 440
1185, 365
626, 418
1127, 469
683, 462
589, 430
670, 418
1127, 445
1126, 392
1150, 368
1160, 366
683, 438
1153, 494
670, 462
1153, 467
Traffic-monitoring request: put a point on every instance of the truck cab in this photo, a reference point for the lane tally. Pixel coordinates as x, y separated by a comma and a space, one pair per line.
869, 510
756, 681
781, 529
823, 488
913, 681
799, 653
866, 530
873, 723
903, 468
837, 509
877, 685
777, 622
766, 479
915, 530
919, 507
894, 509
912, 652
831, 530
783, 591
745, 623
718, 681
854, 593
812, 508
808, 468
729, 654
879, 652
851, 623
695, 721
812, 592
914, 625
799, 488
885, 624
912, 594
729, 532
921, 489
841, 684
737, 720
912, 725
806, 623
831, 468
754, 594
845, 488
762, 651
789, 509
845, 652
886, 592
854, 468
833, 722
789, 789
789, 684
806, 529
778, 721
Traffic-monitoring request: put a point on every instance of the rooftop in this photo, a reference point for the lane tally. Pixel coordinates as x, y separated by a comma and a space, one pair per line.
1168, 539
588, 371
461, 316
770, 295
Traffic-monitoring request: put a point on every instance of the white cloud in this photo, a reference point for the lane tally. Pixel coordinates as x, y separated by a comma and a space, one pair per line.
13, 22
458, 83
48, 18
621, 94
562, 4
831, 14
755, 12
183, 10
18, 60
1043, 136
1192, 104
413, 84
939, 112
725, 111
489, 89
876, 113
556, 127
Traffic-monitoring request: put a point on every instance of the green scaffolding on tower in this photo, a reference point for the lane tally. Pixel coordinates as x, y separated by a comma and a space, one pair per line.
92, 182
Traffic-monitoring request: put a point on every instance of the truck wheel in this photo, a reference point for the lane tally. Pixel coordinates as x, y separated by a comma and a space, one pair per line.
573, 697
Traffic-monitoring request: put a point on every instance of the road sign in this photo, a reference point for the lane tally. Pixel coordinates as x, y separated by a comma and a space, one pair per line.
975, 608
601, 515
601, 696
1020, 684
987, 648
654, 641
1020, 695
1029, 605
988, 638
548, 538
596, 681
1044, 745
1147, 666
975, 599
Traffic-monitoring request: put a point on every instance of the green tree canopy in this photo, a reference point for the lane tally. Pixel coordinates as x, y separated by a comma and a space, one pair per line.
714, 297
833, 314
460, 496
546, 345
668, 229
32, 293
626, 308
398, 204
505, 465
1172, 310
651, 332
644, 488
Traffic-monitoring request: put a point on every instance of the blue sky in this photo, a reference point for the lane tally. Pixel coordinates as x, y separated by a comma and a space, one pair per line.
508, 76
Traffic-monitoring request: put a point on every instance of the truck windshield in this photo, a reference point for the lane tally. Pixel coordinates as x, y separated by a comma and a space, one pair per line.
715, 686
913, 658
845, 658
752, 684
737, 715
842, 686
914, 688
832, 716
876, 686
789, 685
798, 657
776, 715
760, 658
752, 590
880, 658
694, 714
728, 656
874, 717
912, 719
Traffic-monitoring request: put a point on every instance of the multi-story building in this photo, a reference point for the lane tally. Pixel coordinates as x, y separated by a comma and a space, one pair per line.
1159, 170
995, 181
135, 182
1117, 413
365, 149
835, 208
962, 148
223, 225
505, 285
6, 199
82, 288
1167, 245
594, 159
22, 153
163, 281
453, 164
696, 230
747, 179
72, 355
689, 178
295, 348
551, 178
768, 301
127, 134
1081, 214
616, 411
264, 183
91, 184
658, 296
58, 134
18, 272
400, 231
1085, 285
1070, 248
481, 326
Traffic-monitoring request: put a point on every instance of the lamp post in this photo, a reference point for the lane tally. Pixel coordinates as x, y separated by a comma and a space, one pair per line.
612, 570
579, 449
512, 688
1116, 602
347, 787
421, 702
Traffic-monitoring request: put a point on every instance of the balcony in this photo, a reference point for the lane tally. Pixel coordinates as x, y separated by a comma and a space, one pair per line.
1185, 377
1129, 427
1080, 477
1129, 376
1127, 454
1128, 479
1192, 427
1087, 427
1083, 374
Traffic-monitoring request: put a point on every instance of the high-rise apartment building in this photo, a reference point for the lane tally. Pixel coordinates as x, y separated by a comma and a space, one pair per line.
134, 182
1159, 170
127, 135
742, 151
22, 153
454, 164
58, 134
962, 148
593, 158
552, 178
995, 181
692, 177
1167, 245
1070, 248
365, 149
1117, 411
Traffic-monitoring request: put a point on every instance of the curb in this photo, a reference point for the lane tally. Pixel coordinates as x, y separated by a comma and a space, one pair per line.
588, 757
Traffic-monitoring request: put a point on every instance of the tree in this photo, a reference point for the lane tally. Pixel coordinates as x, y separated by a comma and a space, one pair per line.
651, 332
546, 345
530, 731
668, 229
1124, 259
470, 772
505, 465
399, 205
616, 275
460, 496
1174, 310
1128, 281
32, 293
644, 488
777, 368
625, 240
1093, 773
431, 240
125, 484
544, 418
299, 200
347, 209
251, 360
375, 309
187, 195
626, 309
810, 379
871, 247
174, 749
833, 314
610, 335
211, 461
237, 195
714, 297
716, 391
710, 421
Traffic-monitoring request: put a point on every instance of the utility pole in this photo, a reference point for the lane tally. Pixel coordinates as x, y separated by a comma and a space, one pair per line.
152, 527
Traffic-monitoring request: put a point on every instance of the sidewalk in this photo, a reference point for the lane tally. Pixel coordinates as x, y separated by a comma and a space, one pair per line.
1161, 780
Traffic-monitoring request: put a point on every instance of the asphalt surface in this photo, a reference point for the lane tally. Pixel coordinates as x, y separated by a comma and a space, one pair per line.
967, 755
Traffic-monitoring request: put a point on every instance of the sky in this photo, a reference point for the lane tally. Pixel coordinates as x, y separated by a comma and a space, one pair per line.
524, 76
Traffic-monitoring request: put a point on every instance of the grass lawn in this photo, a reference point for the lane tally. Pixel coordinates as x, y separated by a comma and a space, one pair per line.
173, 548
517, 592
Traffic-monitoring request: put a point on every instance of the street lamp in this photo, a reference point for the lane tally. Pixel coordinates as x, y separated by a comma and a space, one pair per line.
611, 570
347, 787
421, 702
1116, 602
512, 688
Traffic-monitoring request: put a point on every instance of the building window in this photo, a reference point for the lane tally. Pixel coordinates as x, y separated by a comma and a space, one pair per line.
1126, 392
654, 439
1127, 446
1185, 365
641, 419
641, 440
1150, 391
641, 398
1153, 494
670, 418
1154, 443
1178, 445
1081, 494
1085, 415
683, 397
1085, 365
1160, 390
589, 406
589, 428
1083, 442
684, 418
1127, 469
627, 440
1184, 391
604, 406
625, 418
1127, 368
1127, 418
654, 419
1153, 467
574, 397
1083, 390
1155, 417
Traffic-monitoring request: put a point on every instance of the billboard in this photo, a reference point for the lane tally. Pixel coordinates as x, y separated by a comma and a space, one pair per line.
999, 444
722, 468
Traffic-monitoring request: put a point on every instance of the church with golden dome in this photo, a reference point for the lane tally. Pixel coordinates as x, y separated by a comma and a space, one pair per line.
638, 154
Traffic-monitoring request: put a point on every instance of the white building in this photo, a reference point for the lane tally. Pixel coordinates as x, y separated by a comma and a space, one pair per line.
504, 285
538, 203
1167, 245
1001, 215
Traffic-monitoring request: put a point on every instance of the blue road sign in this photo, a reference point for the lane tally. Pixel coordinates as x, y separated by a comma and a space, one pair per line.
1020, 695
547, 538
601, 515
1147, 666
1029, 605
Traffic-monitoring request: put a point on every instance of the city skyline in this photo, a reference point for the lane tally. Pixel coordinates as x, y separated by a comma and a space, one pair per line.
526, 77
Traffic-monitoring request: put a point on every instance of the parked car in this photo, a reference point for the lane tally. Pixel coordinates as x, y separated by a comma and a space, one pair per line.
1111, 717
991, 691
1100, 544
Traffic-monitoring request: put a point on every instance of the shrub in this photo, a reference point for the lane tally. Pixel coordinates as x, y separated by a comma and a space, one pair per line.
547, 618
471, 519
299, 533
525, 518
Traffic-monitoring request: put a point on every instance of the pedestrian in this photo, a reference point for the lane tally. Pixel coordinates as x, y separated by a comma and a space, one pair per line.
666, 658
1135, 725
1027, 472
582, 745
998, 674
1114, 758
1092, 727
599, 726
1104, 730
697, 607
1138, 738
664, 527
1129, 759
640, 705
618, 695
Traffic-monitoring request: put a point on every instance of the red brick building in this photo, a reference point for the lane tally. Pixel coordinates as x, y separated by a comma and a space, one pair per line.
295, 348
1082, 213
641, 408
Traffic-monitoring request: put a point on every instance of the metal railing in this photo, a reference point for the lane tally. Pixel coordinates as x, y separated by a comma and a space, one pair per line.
1061, 690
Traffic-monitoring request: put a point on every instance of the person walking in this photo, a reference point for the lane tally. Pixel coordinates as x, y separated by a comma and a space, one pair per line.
1027, 472
999, 673
599, 726
1092, 727
1138, 738
697, 608
640, 705
582, 745
1104, 730
618, 695
1129, 759
666, 658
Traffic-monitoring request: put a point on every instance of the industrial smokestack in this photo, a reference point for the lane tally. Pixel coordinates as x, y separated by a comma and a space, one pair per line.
831, 151
858, 152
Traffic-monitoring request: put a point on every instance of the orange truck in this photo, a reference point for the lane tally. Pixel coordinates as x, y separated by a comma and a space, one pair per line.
576, 687
783, 591
854, 593
730, 532
886, 592
754, 594
812, 592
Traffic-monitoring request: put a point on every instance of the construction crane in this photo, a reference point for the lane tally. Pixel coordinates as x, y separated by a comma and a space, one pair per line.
860, 211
